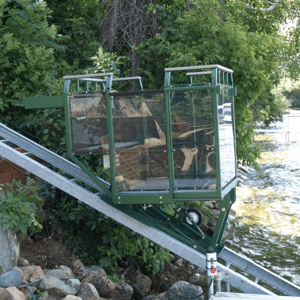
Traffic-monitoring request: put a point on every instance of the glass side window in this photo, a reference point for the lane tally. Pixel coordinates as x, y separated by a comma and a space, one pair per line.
88, 122
193, 140
140, 141
226, 137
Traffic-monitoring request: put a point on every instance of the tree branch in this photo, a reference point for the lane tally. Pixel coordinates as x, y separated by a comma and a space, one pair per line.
265, 9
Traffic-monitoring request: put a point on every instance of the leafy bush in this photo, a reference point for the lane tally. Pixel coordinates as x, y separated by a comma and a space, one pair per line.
28, 64
293, 96
99, 240
18, 206
49, 127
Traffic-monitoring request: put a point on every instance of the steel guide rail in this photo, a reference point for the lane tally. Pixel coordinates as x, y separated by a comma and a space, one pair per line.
260, 273
94, 200
50, 157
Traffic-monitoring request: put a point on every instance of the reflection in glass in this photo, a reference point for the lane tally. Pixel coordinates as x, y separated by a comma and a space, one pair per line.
193, 139
226, 140
140, 141
88, 122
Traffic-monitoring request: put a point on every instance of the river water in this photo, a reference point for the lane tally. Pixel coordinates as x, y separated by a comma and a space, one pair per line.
267, 223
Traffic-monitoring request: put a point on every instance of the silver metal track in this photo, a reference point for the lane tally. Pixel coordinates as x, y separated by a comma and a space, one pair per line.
236, 296
28, 163
48, 156
260, 273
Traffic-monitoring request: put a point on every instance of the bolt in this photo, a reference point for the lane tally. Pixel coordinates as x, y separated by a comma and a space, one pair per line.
160, 197
119, 198
223, 209
160, 202
194, 246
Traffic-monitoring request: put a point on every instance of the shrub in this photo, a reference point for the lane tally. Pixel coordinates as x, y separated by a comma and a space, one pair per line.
99, 240
18, 206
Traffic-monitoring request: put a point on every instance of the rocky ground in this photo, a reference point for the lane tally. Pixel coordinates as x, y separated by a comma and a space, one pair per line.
79, 282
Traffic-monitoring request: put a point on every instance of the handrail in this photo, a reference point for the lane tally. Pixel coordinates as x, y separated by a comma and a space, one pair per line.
199, 67
87, 75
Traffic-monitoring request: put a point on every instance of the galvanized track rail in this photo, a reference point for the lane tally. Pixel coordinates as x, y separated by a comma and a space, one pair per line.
95, 200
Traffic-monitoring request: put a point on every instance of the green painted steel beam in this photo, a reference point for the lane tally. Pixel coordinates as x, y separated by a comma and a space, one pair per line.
41, 102
143, 198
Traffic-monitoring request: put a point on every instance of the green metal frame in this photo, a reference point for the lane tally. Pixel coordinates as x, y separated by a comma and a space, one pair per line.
219, 75
152, 216
106, 86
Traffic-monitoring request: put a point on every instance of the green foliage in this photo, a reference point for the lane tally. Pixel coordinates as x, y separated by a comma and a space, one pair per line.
49, 126
106, 62
118, 242
116, 279
293, 96
273, 109
39, 294
78, 22
101, 241
18, 206
28, 64
29, 67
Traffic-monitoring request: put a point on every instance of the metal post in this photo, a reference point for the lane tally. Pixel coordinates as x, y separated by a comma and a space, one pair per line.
227, 285
211, 269
218, 280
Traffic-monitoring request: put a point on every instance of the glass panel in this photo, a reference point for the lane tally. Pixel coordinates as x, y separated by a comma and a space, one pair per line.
193, 140
88, 122
226, 137
140, 141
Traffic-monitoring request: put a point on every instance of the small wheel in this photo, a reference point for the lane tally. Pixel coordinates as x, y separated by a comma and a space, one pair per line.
196, 215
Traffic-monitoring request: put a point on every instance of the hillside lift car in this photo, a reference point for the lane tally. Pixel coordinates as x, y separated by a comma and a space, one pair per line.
161, 146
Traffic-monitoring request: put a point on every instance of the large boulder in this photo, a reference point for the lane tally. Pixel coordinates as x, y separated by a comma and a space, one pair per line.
180, 290
62, 272
56, 286
17, 295
11, 278
87, 291
123, 291
183, 289
5, 295
101, 282
9, 250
